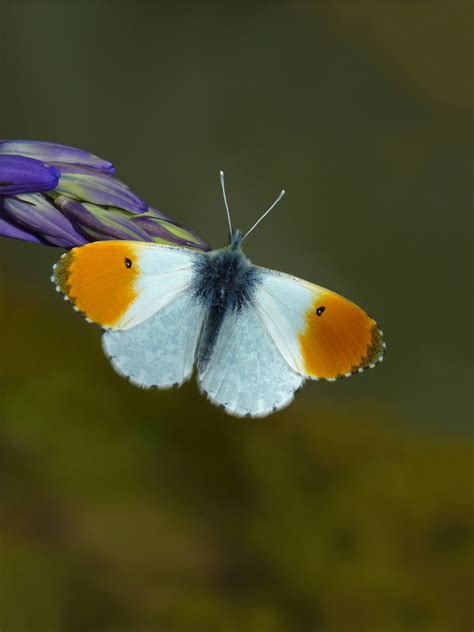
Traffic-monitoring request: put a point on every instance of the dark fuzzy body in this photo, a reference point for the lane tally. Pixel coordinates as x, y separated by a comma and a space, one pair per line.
224, 282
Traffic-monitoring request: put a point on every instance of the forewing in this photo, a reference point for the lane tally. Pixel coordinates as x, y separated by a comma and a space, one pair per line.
320, 334
246, 373
119, 284
160, 351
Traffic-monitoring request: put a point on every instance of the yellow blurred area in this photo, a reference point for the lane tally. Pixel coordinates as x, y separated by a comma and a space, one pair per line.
417, 42
119, 510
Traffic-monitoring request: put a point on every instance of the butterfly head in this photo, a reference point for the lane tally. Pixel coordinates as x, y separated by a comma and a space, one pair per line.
235, 239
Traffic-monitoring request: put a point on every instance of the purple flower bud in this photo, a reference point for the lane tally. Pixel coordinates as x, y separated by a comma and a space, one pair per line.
100, 224
169, 232
9, 229
81, 201
23, 175
83, 184
153, 212
34, 212
53, 152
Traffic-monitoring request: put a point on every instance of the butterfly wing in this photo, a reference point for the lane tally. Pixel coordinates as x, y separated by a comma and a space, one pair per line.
139, 293
119, 284
319, 333
160, 351
246, 374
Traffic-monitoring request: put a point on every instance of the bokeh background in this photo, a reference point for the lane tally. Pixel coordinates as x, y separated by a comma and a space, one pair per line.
351, 510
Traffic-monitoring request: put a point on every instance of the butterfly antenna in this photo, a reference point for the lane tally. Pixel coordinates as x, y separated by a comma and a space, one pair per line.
221, 173
264, 215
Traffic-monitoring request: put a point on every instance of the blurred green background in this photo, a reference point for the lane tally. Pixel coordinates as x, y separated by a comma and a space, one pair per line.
126, 510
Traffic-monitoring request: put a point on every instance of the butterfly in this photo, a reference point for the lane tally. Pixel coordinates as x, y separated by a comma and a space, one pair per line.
254, 335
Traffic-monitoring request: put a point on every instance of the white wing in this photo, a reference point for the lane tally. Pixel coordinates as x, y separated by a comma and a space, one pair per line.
319, 333
160, 351
118, 284
141, 294
246, 374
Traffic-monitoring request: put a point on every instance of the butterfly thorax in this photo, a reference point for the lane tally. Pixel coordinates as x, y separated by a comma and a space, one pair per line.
224, 283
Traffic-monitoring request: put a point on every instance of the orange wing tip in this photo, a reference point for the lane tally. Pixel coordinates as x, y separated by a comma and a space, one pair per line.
98, 280
374, 355
339, 339
368, 362
61, 272
60, 276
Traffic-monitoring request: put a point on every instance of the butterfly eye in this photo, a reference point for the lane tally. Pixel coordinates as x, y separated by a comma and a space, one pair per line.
320, 310
128, 262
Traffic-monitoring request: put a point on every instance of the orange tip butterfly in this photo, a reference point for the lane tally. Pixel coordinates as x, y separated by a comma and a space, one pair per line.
253, 334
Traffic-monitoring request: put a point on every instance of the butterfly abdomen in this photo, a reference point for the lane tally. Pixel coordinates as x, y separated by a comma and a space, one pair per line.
223, 282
